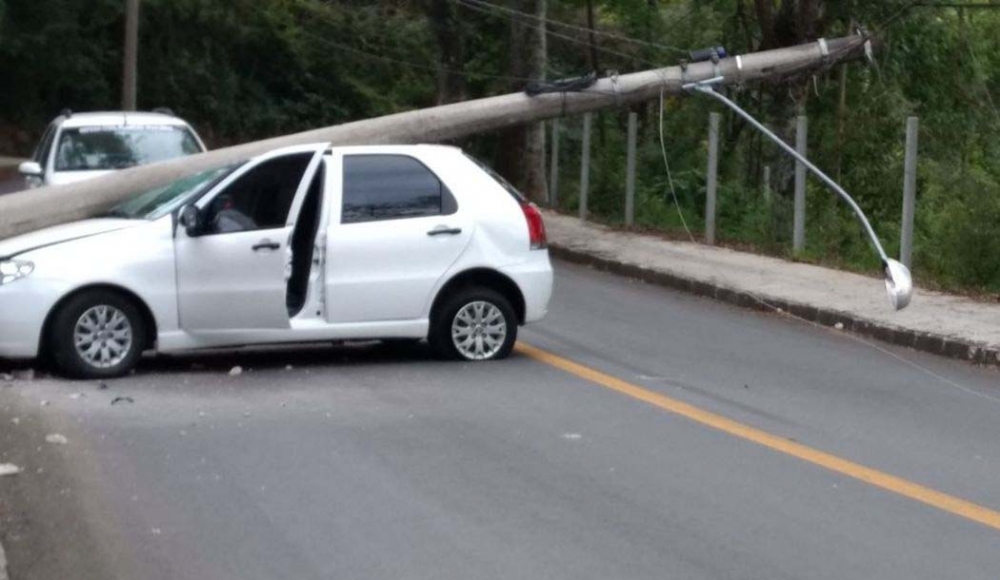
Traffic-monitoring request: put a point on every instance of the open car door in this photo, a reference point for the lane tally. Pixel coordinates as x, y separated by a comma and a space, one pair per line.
232, 272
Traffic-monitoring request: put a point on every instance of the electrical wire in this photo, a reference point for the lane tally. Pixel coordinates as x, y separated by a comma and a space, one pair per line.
433, 68
670, 179
410, 64
898, 14
468, 74
536, 18
520, 17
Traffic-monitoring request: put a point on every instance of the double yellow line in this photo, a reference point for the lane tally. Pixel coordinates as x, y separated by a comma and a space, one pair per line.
897, 485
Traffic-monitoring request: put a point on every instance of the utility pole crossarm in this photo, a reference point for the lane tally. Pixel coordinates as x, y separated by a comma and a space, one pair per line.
31, 210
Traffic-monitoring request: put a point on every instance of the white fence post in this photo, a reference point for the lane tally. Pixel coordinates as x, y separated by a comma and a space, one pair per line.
633, 127
767, 183
909, 192
712, 181
799, 223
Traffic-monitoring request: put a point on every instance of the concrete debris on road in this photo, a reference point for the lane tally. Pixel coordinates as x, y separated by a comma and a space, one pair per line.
122, 399
236, 371
56, 439
839, 326
44, 403
9, 469
15, 420
76, 396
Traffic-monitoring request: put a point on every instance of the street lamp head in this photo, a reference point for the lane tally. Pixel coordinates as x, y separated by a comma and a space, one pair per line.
898, 284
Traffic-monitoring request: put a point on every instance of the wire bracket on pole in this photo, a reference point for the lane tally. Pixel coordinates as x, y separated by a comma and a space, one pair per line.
824, 50
869, 50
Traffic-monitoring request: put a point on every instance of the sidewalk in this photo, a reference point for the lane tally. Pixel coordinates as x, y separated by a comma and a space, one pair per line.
942, 324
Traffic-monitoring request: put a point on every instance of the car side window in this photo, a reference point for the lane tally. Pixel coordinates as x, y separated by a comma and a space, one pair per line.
389, 187
260, 199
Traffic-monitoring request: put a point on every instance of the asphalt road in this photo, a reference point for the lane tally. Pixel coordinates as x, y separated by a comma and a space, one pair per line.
375, 462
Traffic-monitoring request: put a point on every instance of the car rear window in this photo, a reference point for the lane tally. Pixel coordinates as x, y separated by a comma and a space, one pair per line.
517, 195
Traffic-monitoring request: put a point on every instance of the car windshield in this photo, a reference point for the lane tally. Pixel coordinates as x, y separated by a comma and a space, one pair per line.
117, 147
156, 203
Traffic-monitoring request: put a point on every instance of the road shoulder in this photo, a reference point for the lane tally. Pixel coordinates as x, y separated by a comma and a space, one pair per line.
938, 323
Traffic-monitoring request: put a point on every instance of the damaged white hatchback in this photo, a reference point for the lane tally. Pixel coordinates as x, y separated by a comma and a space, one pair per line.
309, 243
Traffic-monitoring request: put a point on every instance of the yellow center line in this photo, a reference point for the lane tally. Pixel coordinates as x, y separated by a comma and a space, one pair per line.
898, 485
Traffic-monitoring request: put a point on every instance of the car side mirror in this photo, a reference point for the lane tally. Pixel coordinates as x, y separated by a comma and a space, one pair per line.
191, 220
898, 284
30, 169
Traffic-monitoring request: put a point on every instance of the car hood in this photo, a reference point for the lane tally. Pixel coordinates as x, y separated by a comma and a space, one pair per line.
62, 233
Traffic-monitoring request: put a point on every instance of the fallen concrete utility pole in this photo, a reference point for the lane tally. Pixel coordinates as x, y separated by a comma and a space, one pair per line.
30, 210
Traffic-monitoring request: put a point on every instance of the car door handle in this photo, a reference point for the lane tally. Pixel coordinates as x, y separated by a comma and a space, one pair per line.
444, 231
266, 245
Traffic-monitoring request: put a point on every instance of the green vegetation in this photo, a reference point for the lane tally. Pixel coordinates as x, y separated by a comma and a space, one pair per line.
242, 69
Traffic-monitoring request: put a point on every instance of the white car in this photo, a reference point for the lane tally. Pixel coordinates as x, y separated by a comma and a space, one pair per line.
301, 244
78, 146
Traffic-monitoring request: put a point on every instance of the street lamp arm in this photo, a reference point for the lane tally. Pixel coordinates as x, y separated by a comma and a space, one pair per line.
899, 283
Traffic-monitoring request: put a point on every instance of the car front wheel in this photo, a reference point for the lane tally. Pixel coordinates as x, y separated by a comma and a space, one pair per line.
97, 334
475, 324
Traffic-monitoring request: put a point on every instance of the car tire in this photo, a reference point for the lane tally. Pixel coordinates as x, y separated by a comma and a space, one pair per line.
110, 330
474, 324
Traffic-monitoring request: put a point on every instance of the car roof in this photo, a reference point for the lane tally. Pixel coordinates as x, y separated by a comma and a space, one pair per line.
374, 149
119, 118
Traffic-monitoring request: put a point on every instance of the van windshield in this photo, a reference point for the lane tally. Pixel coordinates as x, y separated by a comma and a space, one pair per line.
102, 148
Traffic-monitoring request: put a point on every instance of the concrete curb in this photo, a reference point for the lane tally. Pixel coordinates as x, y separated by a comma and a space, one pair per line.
926, 342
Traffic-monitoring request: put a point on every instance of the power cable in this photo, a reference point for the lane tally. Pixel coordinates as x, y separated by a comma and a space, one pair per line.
670, 179
536, 18
407, 63
520, 17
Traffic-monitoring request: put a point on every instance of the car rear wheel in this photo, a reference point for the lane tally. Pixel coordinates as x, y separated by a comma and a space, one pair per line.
97, 334
475, 324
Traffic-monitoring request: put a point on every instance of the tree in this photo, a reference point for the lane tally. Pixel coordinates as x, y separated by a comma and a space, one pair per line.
522, 157
448, 30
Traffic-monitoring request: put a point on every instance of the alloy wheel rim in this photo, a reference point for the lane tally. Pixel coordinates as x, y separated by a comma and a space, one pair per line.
478, 330
103, 336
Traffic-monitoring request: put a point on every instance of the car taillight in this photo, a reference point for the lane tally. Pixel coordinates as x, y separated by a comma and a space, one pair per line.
536, 226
